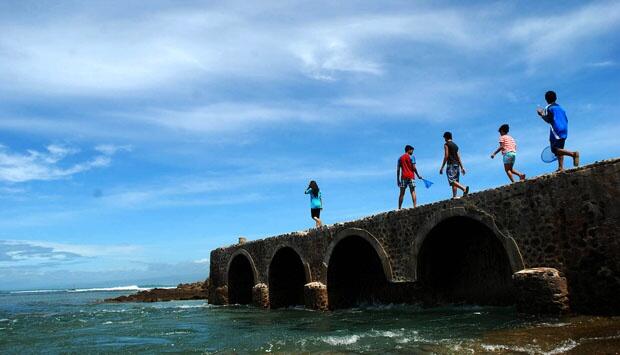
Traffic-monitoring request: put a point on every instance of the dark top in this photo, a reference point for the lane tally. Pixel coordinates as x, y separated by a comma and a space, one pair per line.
453, 158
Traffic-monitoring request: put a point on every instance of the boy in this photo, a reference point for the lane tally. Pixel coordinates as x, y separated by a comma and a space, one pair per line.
555, 116
508, 147
405, 175
452, 157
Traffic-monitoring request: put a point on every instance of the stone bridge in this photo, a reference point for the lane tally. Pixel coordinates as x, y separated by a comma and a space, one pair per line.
453, 251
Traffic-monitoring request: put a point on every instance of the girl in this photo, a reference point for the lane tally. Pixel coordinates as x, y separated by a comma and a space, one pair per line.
316, 202
508, 147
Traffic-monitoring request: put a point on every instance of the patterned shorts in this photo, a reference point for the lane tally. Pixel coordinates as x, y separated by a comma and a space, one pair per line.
404, 183
509, 158
453, 173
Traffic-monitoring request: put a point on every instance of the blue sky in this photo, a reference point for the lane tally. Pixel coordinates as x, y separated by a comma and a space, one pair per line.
135, 137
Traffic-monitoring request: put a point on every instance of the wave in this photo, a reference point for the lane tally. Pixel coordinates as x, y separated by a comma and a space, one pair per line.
108, 289
341, 340
134, 288
533, 349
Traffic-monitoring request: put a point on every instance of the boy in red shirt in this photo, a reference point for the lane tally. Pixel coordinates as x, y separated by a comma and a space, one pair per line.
405, 175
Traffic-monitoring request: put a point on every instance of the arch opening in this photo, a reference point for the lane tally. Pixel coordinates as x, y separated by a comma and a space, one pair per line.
355, 274
461, 260
240, 280
286, 279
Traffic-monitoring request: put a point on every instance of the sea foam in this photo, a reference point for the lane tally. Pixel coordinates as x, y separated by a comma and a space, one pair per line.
341, 340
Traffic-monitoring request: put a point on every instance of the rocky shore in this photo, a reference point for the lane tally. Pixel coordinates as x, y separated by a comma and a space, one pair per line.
188, 291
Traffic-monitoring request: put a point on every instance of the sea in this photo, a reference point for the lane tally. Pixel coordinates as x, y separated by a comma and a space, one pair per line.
77, 321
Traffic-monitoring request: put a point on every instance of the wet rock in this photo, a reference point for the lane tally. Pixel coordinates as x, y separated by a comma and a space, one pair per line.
188, 291
541, 291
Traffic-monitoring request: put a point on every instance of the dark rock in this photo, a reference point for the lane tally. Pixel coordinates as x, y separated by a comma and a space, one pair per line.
541, 291
189, 291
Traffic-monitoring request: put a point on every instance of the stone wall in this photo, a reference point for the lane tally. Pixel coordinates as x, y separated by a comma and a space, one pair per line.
568, 221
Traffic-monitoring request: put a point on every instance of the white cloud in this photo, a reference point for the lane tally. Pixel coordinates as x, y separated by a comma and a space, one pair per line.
172, 53
222, 117
562, 36
89, 250
44, 165
92, 53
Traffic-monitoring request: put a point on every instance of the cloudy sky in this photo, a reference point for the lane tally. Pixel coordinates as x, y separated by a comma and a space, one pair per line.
137, 136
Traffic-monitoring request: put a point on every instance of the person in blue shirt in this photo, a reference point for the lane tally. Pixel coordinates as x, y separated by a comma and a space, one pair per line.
555, 116
316, 202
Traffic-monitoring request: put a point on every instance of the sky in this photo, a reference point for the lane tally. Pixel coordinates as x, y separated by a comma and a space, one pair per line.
137, 136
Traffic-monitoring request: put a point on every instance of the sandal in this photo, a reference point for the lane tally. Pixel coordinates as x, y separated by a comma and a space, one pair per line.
466, 191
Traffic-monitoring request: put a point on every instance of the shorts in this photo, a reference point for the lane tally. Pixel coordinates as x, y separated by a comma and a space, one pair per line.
404, 183
509, 158
453, 173
315, 212
557, 144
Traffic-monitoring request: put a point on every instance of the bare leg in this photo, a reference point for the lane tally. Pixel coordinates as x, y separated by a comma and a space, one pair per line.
560, 162
454, 187
520, 175
457, 184
401, 196
508, 170
575, 155
318, 221
414, 198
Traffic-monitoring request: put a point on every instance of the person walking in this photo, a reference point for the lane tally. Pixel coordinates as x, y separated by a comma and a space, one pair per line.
508, 147
555, 116
316, 202
452, 162
405, 175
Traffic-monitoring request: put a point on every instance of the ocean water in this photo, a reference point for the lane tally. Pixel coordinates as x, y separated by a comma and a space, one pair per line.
78, 322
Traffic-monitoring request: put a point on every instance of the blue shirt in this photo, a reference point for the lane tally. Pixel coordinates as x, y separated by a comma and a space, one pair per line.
556, 117
315, 201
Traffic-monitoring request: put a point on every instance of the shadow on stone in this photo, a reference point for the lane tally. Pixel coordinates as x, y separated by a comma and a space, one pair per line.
355, 274
286, 279
462, 261
240, 281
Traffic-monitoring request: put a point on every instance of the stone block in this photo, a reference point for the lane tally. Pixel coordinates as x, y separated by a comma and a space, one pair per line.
315, 296
541, 291
260, 295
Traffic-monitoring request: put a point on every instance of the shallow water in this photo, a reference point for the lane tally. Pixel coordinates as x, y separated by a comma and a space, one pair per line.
77, 322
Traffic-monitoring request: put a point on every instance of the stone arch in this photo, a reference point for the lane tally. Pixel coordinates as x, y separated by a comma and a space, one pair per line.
461, 256
362, 233
287, 274
510, 246
358, 269
241, 276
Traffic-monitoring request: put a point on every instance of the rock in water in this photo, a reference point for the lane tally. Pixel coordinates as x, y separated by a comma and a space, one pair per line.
189, 291
541, 291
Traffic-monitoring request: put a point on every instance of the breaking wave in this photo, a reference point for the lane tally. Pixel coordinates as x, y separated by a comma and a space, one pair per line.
134, 288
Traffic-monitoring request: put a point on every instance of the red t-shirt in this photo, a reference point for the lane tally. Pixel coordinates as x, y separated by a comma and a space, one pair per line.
406, 166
